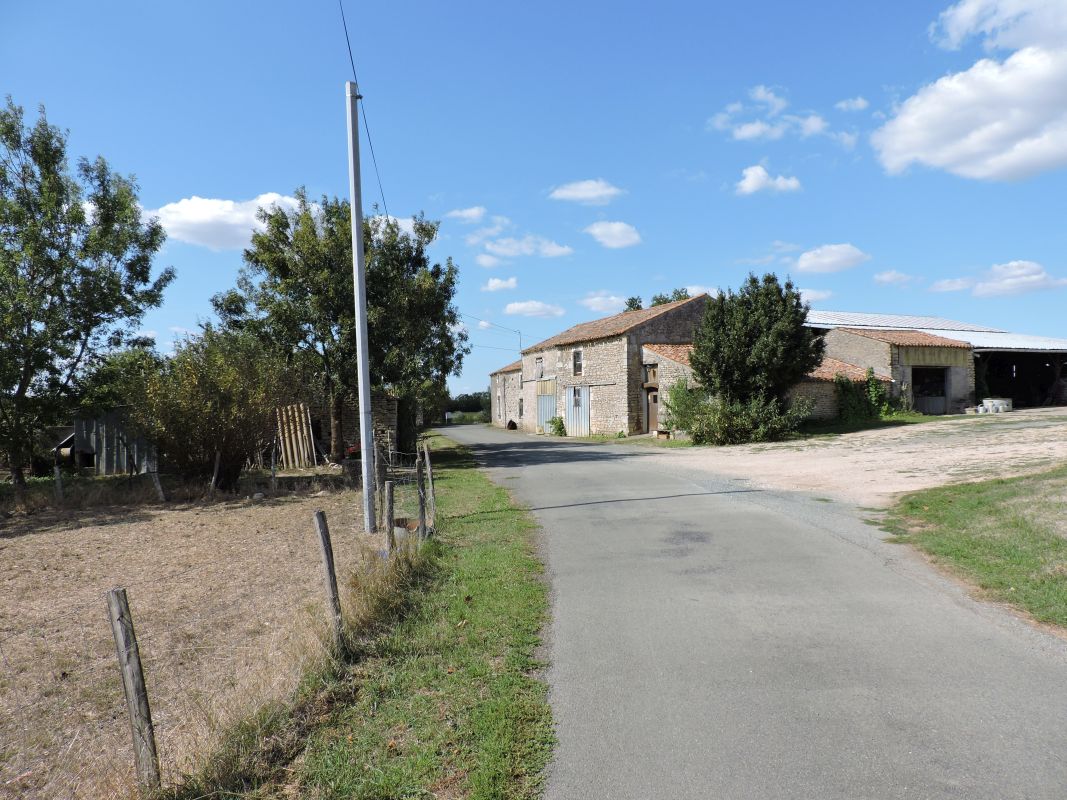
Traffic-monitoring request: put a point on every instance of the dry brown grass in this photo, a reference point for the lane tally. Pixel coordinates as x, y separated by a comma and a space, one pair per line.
227, 601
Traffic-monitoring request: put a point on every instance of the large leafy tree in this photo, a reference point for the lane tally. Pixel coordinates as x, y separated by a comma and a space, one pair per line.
674, 296
753, 344
75, 275
296, 289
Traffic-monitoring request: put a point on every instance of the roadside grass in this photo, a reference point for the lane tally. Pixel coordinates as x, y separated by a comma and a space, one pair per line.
837, 427
1006, 536
640, 441
438, 691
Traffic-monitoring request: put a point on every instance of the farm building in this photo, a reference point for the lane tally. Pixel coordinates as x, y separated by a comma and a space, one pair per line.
605, 376
943, 366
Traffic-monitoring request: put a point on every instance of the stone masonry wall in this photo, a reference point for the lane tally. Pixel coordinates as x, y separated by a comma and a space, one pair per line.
505, 392
861, 351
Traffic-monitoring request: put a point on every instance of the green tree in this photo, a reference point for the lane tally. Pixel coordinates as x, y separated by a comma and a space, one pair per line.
216, 394
674, 296
75, 275
754, 344
633, 303
296, 290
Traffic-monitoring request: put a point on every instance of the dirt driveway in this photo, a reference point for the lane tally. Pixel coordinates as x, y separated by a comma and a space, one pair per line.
871, 468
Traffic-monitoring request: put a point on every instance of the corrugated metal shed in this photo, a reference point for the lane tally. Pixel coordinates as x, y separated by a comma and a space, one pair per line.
1002, 340
850, 319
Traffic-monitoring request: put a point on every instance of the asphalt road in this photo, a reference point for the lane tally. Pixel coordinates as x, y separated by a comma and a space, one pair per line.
713, 641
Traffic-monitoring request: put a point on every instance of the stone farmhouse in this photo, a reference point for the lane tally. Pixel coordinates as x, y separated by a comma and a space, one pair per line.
605, 376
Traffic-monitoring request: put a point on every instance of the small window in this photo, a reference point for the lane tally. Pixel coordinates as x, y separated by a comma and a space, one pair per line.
539, 367
577, 398
651, 371
520, 408
577, 355
499, 407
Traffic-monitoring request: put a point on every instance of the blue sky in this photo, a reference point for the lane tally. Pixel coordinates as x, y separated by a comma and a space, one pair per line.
890, 157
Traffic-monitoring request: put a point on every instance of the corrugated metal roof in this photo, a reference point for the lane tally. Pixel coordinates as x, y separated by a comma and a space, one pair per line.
907, 338
607, 327
1002, 340
849, 319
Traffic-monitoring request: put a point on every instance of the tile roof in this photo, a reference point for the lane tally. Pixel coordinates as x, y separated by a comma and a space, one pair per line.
832, 366
607, 327
907, 338
824, 372
514, 366
675, 352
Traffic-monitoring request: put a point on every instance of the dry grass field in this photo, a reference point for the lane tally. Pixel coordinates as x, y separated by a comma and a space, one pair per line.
228, 602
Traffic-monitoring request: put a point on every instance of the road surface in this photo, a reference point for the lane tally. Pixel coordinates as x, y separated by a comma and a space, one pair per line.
709, 640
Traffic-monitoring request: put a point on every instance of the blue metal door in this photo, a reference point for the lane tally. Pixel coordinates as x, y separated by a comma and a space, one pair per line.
546, 409
577, 411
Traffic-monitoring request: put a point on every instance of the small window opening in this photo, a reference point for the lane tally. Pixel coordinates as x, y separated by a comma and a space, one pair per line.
577, 362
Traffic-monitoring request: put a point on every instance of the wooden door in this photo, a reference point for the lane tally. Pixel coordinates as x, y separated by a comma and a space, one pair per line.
653, 410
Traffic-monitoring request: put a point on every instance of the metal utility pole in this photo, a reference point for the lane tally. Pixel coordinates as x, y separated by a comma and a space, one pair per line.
366, 424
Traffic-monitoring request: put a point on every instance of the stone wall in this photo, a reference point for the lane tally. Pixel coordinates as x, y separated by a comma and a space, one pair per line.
860, 350
821, 393
506, 399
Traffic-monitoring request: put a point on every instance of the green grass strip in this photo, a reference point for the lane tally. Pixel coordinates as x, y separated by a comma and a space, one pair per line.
449, 702
1006, 536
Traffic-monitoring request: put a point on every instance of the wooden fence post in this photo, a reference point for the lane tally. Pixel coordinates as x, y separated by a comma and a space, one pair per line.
330, 574
59, 484
390, 520
429, 483
215, 474
274, 468
159, 486
421, 484
144, 735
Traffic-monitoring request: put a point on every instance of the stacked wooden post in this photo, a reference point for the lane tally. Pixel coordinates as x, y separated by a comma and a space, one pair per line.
295, 437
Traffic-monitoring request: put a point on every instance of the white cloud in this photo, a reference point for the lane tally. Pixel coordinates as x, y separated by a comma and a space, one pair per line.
815, 295
214, 223
852, 104
604, 302
844, 138
468, 216
810, 125
774, 103
766, 122
831, 258
784, 247
596, 192
892, 277
487, 261
952, 285
498, 225
499, 284
484, 326
758, 130
756, 179
1007, 24
147, 334
614, 234
696, 289
1016, 277
533, 308
997, 120
527, 246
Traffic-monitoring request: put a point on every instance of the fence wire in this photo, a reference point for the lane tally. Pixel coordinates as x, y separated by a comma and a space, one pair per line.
228, 605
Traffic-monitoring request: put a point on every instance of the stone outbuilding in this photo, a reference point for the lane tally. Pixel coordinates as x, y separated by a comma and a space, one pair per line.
593, 375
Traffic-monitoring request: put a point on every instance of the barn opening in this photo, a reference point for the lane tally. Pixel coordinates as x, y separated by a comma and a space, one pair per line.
1030, 379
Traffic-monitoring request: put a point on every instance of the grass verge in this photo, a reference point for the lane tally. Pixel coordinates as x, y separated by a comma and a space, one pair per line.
1006, 536
836, 426
437, 693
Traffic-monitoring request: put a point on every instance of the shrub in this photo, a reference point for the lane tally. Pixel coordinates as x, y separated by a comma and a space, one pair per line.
682, 404
218, 394
859, 402
555, 425
759, 419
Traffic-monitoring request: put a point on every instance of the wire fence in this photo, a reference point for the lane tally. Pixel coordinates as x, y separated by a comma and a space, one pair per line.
229, 610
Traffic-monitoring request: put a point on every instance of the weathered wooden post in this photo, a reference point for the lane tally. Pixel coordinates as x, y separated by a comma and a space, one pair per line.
429, 484
330, 574
390, 520
215, 473
420, 480
144, 735
59, 484
274, 468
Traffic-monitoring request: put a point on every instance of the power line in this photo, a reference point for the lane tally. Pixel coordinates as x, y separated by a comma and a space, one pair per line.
491, 347
363, 108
